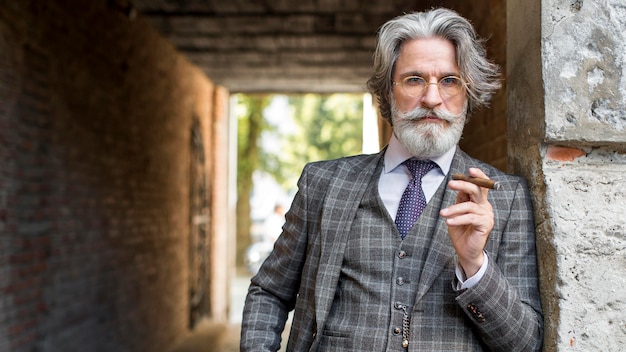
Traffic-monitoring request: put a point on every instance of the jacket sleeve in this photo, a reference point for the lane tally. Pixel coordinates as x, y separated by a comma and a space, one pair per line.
273, 290
505, 304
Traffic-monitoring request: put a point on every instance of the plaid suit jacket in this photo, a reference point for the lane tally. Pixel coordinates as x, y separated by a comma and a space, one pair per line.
502, 312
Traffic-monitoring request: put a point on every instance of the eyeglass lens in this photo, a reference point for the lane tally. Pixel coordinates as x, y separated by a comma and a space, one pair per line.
448, 86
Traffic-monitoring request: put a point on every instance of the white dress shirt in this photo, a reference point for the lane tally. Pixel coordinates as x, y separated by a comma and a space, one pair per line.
394, 179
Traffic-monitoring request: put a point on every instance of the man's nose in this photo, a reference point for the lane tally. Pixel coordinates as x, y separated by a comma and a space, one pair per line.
431, 97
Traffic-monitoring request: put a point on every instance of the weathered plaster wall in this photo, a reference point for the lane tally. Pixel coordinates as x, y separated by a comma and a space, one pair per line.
588, 215
567, 119
584, 50
584, 74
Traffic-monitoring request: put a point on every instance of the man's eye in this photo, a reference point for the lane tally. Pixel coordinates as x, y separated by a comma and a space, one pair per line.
414, 81
450, 81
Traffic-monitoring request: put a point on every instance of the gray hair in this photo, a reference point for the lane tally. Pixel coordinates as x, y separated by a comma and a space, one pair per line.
480, 74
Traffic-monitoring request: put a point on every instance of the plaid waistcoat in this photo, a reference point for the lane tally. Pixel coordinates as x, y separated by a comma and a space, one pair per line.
379, 276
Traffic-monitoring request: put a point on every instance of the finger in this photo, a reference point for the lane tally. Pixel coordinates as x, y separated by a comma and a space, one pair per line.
462, 197
475, 193
466, 208
467, 191
476, 172
476, 221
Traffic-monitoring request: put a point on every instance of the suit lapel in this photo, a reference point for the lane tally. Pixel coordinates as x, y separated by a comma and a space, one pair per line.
343, 196
441, 251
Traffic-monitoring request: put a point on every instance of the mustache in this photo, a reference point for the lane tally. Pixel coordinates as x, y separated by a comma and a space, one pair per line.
421, 113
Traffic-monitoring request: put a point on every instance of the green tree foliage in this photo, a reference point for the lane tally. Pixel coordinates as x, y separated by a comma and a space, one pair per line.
321, 127
325, 127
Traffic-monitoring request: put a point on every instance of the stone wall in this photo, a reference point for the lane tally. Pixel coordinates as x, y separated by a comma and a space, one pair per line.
95, 117
567, 113
584, 72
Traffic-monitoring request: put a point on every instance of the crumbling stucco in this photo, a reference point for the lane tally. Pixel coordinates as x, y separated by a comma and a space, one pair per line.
584, 82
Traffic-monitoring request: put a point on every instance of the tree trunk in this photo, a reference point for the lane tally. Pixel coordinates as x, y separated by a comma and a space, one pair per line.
248, 162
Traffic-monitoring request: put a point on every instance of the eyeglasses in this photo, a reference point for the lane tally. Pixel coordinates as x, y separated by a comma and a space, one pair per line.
415, 86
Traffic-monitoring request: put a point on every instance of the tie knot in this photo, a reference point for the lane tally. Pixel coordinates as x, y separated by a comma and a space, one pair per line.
419, 168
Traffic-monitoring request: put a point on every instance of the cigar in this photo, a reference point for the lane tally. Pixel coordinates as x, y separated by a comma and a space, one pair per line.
482, 182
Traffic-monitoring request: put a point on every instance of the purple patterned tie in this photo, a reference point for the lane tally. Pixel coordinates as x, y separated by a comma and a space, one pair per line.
413, 201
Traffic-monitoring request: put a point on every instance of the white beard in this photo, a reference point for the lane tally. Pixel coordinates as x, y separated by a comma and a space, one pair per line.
426, 140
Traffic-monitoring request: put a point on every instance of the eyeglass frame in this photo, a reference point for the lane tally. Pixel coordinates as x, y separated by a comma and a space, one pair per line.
426, 84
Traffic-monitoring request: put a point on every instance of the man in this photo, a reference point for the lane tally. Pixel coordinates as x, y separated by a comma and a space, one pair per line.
359, 273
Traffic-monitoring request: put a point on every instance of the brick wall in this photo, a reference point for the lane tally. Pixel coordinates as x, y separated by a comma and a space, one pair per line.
95, 118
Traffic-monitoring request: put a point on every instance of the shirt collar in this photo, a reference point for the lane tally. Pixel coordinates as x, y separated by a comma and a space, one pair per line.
396, 154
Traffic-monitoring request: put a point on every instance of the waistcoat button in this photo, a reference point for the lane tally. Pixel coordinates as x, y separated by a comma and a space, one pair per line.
402, 254
400, 281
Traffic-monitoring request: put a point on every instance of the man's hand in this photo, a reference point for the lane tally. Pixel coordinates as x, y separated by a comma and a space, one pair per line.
469, 222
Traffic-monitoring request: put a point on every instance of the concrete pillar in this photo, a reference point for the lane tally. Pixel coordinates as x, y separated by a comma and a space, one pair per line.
566, 69
222, 212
